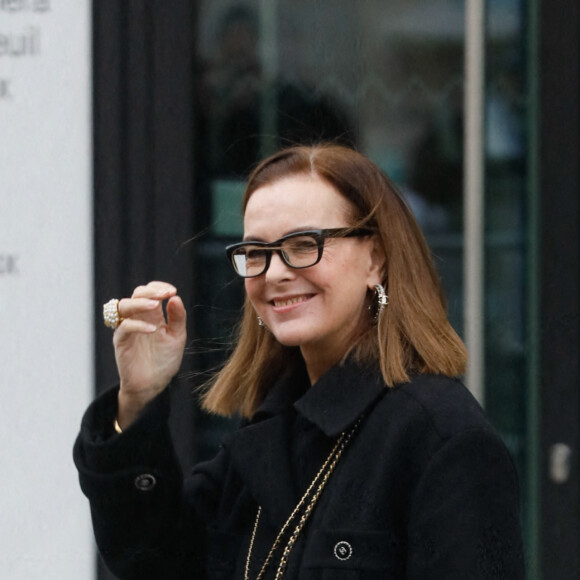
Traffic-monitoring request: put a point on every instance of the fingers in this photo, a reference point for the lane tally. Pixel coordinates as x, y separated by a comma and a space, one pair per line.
146, 299
134, 325
145, 308
155, 291
176, 315
133, 306
131, 327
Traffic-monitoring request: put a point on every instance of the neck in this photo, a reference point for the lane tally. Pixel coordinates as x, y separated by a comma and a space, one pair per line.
317, 363
320, 357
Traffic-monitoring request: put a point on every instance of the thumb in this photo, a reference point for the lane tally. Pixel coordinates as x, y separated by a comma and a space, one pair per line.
176, 315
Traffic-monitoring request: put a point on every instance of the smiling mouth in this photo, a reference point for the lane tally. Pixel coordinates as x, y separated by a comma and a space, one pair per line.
290, 301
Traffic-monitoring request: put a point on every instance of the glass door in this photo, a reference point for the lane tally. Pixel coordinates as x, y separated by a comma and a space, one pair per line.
389, 79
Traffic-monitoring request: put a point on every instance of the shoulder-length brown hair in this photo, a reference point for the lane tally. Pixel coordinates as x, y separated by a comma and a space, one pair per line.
413, 334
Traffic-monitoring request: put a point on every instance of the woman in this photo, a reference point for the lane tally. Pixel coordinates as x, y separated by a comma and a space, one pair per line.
361, 456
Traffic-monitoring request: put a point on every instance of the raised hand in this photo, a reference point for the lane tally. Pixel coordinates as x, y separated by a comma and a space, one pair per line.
148, 346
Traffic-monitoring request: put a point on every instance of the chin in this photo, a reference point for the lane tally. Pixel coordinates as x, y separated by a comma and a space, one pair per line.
288, 340
291, 337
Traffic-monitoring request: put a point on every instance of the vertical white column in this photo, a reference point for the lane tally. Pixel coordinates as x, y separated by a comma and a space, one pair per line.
474, 155
46, 305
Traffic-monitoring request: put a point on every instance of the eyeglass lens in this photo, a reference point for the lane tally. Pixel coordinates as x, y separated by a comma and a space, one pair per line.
297, 252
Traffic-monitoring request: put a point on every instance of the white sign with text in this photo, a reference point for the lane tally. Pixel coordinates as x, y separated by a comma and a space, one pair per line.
46, 364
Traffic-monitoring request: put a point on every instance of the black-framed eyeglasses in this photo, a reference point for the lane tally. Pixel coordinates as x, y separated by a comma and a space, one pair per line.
298, 250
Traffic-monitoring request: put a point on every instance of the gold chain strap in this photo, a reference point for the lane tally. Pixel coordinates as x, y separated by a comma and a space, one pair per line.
320, 480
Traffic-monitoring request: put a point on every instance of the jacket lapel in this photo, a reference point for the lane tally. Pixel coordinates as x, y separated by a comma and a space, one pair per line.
261, 451
261, 456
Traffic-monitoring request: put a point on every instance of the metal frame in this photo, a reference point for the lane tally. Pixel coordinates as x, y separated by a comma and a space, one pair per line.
559, 187
473, 252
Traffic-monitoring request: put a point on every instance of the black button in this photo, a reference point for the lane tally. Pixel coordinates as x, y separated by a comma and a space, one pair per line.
145, 482
343, 550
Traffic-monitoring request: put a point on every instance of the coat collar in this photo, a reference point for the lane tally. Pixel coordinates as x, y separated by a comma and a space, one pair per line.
291, 386
333, 403
341, 396
261, 451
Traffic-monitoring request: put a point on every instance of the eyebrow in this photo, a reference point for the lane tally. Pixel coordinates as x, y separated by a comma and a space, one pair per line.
292, 231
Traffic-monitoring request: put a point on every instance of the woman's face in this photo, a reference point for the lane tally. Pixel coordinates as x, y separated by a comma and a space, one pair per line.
320, 308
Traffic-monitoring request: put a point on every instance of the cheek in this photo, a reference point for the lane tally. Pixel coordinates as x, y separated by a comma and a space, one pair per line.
346, 268
252, 287
332, 266
347, 281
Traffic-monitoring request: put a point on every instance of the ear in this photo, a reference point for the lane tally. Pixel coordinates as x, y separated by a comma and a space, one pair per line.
376, 272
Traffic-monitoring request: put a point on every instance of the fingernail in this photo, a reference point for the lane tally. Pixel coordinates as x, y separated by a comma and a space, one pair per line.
151, 328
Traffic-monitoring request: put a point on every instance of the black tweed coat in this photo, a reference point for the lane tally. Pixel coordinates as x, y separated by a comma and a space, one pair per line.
425, 490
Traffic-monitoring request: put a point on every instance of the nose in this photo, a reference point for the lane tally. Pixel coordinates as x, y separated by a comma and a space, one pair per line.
278, 269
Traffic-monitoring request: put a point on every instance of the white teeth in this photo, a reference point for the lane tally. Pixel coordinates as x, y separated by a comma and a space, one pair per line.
290, 301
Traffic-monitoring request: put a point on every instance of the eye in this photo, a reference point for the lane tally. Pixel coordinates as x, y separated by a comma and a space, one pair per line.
301, 245
254, 254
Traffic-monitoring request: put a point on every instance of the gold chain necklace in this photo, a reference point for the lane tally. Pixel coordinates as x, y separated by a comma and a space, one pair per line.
305, 505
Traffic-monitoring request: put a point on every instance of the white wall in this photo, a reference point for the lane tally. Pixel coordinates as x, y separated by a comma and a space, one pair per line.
46, 366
